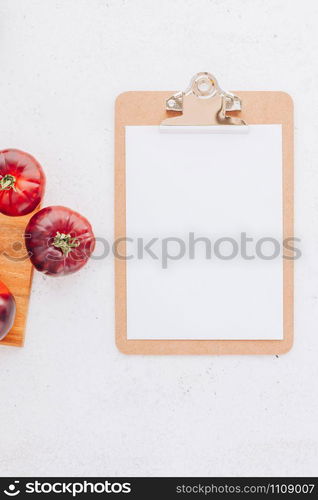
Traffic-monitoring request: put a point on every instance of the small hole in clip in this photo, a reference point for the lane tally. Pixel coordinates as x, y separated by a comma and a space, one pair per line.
204, 86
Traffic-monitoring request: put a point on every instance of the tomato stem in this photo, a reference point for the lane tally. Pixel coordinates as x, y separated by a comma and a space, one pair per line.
65, 242
7, 182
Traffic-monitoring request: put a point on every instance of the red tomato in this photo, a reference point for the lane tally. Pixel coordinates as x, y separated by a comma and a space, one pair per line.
59, 240
7, 310
22, 182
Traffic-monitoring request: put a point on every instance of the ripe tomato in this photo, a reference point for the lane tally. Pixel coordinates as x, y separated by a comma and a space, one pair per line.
7, 310
59, 240
22, 182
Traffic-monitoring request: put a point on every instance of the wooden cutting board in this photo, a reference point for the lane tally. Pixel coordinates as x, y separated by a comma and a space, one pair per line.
16, 272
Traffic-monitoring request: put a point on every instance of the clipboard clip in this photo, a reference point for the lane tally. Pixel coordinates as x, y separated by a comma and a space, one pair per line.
203, 103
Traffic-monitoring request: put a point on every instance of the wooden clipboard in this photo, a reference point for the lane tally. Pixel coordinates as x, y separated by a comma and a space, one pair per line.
148, 108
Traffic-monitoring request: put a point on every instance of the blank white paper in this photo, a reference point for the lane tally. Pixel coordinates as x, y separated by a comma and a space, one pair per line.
214, 186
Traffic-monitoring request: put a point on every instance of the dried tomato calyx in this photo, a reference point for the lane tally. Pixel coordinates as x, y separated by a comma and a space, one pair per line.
7, 182
65, 242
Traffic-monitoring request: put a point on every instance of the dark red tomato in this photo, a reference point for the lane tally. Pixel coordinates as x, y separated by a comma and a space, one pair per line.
22, 182
59, 240
7, 310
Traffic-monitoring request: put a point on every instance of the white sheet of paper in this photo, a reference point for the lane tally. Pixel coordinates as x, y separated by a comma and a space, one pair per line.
213, 186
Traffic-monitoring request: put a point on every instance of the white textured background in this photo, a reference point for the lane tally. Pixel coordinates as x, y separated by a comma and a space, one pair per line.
70, 403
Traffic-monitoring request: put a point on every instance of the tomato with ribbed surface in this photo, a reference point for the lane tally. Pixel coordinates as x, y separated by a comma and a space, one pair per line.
7, 310
59, 240
22, 183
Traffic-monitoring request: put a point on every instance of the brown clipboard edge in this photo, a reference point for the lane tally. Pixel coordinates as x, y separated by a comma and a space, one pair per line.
147, 108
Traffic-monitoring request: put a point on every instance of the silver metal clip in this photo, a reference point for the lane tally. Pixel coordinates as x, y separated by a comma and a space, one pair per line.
204, 86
